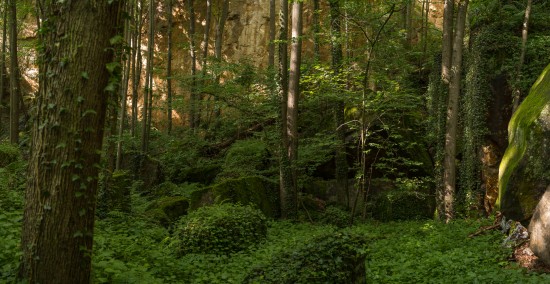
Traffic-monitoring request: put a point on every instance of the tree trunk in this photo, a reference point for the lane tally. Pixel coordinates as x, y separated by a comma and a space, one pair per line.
193, 104
271, 47
3, 61
524, 33
291, 199
409, 8
449, 174
66, 139
341, 165
220, 27
447, 43
316, 30
284, 167
14, 75
169, 67
136, 70
147, 95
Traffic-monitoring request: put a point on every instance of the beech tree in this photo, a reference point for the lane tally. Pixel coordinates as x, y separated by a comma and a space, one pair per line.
67, 136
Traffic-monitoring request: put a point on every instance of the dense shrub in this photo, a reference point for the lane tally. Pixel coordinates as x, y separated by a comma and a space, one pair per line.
12, 185
329, 258
246, 158
167, 210
8, 154
401, 204
336, 216
220, 229
10, 250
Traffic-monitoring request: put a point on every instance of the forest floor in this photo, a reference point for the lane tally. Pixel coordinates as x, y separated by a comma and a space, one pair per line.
526, 259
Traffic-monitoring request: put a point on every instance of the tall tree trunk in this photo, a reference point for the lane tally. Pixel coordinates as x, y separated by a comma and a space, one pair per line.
14, 75
292, 103
285, 173
271, 46
147, 95
447, 43
316, 30
3, 60
409, 8
449, 174
193, 104
138, 63
125, 80
524, 34
341, 165
169, 67
220, 27
206, 37
425, 26
67, 136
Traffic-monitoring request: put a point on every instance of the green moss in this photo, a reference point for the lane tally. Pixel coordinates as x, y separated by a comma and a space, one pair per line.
8, 154
520, 127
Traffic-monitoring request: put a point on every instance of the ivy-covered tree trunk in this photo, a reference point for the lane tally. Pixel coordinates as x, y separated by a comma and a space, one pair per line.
449, 174
67, 136
341, 164
14, 75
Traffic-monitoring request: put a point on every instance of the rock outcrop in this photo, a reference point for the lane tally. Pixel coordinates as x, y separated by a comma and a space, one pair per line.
540, 229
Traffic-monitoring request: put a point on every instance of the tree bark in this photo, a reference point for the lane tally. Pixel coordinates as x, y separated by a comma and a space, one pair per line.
169, 68
341, 165
206, 37
447, 43
136, 70
449, 174
292, 103
271, 46
67, 136
3, 60
193, 97
147, 95
524, 34
220, 27
284, 166
15, 91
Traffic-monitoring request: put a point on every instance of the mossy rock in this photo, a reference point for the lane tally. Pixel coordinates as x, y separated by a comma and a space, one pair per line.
8, 154
168, 209
203, 174
403, 205
258, 191
246, 158
144, 168
524, 172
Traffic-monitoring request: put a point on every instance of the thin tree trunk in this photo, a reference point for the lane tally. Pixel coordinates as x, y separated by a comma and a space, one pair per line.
59, 215
316, 30
449, 174
125, 80
169, 68
3, 60
341, 165
292, 103
425, 26
409, 8
220, 27
147, 95
14, 75
206, 37
447, 43
285, 173
524, 34
136, 70
271, 47
193, 97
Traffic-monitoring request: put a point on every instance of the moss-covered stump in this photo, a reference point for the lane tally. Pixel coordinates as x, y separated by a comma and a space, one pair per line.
258, 191
167, 210
220, 229
335, 257
203, 174
403, 205
8, 154
524, 171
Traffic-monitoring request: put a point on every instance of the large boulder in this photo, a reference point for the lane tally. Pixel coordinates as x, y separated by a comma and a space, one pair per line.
540, 229
524, 172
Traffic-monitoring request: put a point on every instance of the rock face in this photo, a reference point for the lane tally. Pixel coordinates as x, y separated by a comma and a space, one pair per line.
525, 168
540, 229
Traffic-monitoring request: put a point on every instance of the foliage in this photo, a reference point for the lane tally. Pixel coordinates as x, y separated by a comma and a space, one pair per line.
334, 257
167, 210
8, 154
246, 158
429, 251
336, 216
220, 229
10, 249
408, 201
12, 185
